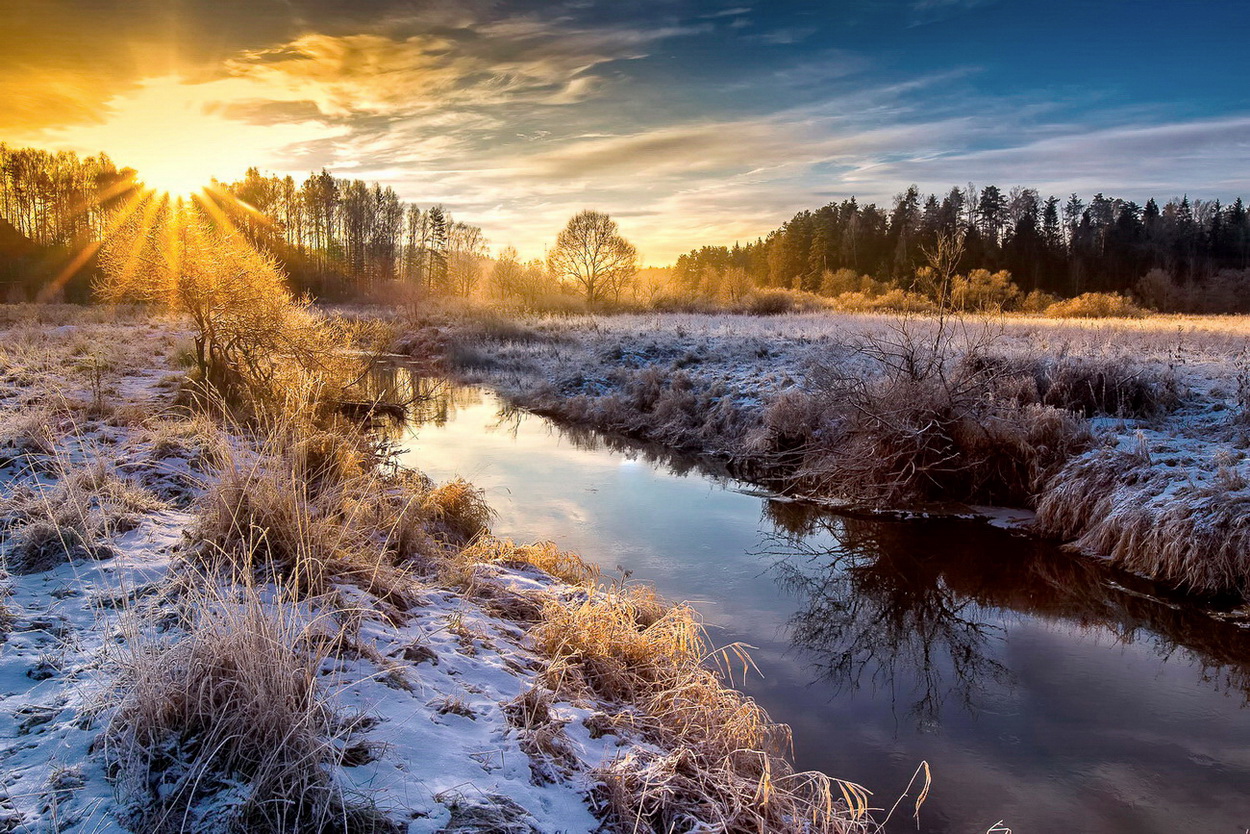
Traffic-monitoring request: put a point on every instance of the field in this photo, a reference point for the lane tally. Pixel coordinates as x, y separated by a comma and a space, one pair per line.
216, 624
1124, 437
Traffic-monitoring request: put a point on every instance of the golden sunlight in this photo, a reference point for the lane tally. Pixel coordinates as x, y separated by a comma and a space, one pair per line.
177, 136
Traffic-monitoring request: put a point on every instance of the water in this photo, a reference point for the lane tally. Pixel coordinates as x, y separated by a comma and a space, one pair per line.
1044, 690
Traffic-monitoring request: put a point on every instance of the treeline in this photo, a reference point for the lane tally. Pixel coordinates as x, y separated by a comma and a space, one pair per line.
340, 238
1185, 255
53, 206
336, 239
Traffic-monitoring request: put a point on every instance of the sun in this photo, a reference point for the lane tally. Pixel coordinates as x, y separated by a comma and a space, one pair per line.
176, 177
179, 136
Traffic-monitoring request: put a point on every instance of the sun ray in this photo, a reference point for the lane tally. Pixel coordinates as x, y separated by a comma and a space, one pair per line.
253, 213
143, 229
115, 221
206, 202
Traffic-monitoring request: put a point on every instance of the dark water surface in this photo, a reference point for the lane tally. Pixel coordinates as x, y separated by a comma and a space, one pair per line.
1043, 689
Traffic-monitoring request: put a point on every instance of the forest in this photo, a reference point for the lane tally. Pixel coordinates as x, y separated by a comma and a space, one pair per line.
345, 239
1189, 256
336, 239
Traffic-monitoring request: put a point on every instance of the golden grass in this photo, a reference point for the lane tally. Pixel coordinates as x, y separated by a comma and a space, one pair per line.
722, 767
309, 510
234, 700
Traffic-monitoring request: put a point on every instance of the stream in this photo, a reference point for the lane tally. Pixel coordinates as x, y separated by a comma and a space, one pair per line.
1045, 690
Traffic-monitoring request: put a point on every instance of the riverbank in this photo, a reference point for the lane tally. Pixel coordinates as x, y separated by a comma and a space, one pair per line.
206, 627
885, 642
1125, 436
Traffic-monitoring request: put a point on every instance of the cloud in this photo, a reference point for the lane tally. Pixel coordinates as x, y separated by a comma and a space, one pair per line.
1209, 156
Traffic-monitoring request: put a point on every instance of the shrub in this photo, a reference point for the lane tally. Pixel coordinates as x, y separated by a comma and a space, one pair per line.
893, 300
1037, 301
1095, 305
929, 424
776, 301
983, 291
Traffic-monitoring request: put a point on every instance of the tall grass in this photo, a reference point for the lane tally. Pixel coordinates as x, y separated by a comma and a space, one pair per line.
232, 702
720, 763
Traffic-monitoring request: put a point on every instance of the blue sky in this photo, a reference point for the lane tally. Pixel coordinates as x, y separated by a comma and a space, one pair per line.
691, 122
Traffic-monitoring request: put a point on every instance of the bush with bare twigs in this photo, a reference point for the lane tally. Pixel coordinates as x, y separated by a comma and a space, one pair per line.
930, 422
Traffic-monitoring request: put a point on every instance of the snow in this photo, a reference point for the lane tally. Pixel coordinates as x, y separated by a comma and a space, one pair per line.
1188, 457
432, 685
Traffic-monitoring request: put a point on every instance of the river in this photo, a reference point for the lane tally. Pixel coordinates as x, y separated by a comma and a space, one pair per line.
1045, 690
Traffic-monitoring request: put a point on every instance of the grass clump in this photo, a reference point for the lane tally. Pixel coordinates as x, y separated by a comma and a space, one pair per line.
458, 509
73, 517
27, 435
1113, 503
1089, 386
232, 710
309, 511
563, 565
722, 767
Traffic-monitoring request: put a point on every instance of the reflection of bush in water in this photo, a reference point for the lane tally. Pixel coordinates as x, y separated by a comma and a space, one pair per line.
881, 615
425, 399
906, 603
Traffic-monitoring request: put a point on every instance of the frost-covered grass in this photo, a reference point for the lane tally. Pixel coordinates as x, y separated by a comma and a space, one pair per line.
210, 627
1127, 435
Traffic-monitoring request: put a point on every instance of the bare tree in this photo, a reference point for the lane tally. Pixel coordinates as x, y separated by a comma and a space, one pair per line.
466, 254
591, 254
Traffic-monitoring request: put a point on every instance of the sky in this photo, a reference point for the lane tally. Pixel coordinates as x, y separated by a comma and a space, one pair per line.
691, 122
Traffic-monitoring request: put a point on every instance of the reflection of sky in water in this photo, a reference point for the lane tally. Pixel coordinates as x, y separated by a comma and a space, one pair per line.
1069, 726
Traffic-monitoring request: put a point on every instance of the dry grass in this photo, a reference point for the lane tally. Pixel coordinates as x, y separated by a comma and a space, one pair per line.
723, 765
307, 513
552, 756
1105, 504
28, 435
73, 517
563, 565
233, 702
458, 509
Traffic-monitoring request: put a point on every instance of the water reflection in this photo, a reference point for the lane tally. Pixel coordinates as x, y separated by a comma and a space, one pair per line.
1033, 680
919, 607
873, 615
433, 401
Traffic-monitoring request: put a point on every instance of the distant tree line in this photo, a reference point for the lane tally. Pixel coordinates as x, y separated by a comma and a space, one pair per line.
335, 238
346, 238
1185, 254
53, 207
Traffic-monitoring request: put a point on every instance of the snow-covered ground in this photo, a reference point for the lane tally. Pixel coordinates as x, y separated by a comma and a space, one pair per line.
1157, 492
428, 695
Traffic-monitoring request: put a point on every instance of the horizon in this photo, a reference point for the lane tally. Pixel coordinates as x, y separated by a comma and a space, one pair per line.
691, 123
